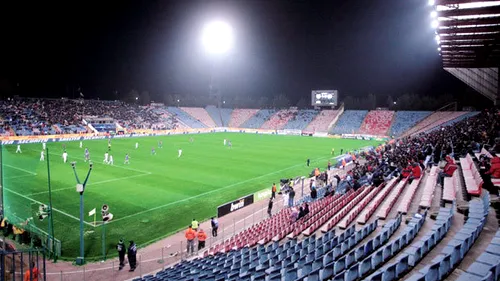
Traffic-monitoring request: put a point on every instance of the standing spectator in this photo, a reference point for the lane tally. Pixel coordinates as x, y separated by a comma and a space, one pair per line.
202, 236
32, 274
329, 165
270, 207
190, 235
194, 225
286, 197
215, 226
120, 247
308, 162
273, 191
131, 255
314, 192
291, 195
306, 209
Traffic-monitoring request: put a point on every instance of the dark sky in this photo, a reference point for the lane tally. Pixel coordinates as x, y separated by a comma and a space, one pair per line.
385, 47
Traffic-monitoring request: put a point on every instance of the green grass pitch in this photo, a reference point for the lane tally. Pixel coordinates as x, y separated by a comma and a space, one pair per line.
155, 195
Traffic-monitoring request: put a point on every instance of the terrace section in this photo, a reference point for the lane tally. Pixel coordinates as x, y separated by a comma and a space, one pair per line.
301, 119
279, 119
201, 115
258, 119
322, 121
349, 122
185, 118
377, 122
404, 120
240, 116
434, 120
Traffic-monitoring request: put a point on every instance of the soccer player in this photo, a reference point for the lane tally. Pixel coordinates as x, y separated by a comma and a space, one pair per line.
229, 143
87, 154
153, 151
18, 150
136, 145
42, 155
127, 158
225, 141
63, 146
43, 145
109, 144
180, 153
333, 151
160, 144
65, 156
191, 139
106, 156
81, 144
110, 162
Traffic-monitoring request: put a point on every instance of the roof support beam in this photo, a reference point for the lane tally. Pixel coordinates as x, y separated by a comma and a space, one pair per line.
470, 12
480, 21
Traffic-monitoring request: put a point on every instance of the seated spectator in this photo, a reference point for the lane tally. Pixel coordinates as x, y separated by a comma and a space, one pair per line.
494, 171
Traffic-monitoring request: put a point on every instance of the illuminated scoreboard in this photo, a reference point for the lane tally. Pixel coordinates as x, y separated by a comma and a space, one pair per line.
324, 97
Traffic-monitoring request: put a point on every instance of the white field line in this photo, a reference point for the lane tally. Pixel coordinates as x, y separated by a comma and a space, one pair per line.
16, 177
38, 202
92, 183
212, 191
20, 169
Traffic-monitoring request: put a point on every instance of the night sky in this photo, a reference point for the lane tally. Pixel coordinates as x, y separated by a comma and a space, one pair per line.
384, 47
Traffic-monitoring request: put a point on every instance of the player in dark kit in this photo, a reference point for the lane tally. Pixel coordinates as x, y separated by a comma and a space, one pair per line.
132, 255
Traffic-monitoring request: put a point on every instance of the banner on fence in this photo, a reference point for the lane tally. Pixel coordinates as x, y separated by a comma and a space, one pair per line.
230, 207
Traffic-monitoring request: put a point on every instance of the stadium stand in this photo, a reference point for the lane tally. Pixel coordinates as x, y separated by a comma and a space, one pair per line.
487, 266
403, 120
472, 177
258, 119
322, 121
377, 122
185, 117
462, 241
301, 119
225, 114
434, 120
349, 122
279, 119
240, 116
201, 115
215, 114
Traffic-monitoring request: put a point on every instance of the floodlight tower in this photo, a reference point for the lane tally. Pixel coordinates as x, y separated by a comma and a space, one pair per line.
80, 188
217, 39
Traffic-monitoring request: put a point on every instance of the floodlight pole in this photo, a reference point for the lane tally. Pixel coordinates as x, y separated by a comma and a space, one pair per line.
81, 260
51, 219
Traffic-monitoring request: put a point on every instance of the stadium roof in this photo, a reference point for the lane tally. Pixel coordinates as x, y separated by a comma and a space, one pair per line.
468, 41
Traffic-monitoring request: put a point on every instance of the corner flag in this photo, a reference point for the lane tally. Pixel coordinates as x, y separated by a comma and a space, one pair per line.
92, 212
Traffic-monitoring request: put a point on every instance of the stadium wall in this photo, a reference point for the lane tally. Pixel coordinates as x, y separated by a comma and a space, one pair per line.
8, 140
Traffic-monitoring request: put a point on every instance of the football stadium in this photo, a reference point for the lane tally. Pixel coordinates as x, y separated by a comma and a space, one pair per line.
220, 173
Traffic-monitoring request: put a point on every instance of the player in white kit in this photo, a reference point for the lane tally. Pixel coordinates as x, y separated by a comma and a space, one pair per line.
43, 145
180, 153
65, 156
110, 162
225, 142
136, 145
106, 160
81, 144
18, 150
42, 155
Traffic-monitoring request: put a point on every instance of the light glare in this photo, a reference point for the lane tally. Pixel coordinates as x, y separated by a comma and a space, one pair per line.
434, 14
431, 2
434, 24
217, 37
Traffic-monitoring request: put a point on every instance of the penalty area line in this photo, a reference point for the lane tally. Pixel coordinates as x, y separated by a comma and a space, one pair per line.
210, 192
20, 169
38, 202
92, 183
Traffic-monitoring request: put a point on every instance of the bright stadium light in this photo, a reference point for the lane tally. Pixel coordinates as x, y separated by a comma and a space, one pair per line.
434, 14
434, 24
439, 49
437, 38
217, 37
431, 2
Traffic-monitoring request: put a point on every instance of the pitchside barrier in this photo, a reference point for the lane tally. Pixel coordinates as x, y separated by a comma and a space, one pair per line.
6, 140
233, 206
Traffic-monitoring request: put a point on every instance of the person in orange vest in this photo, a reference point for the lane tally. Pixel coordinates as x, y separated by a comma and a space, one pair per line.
190, 236
202, 236
273, 191
33, 274
343, 163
